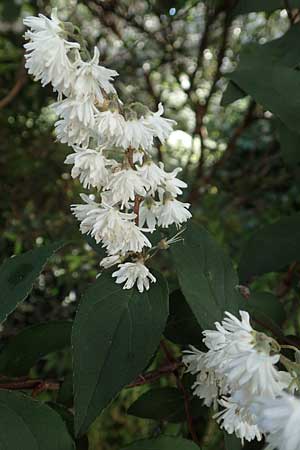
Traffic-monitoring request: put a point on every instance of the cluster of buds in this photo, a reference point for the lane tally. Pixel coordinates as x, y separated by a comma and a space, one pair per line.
112, 146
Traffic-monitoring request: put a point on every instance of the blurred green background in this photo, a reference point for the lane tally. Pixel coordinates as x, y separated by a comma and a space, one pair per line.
174, 51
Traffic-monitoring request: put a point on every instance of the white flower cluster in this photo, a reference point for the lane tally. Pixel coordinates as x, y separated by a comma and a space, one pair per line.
111, 150
239, 376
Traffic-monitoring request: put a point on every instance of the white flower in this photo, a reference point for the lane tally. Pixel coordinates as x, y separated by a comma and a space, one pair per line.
236, 417
161, 127
172, 211
110, 261
152, 173
208, 385
132, 273
280, 419
136, 135
81, 211
47, 52
147, 213
90, 166
92, 79
172, 184
77, 111
72, 132
110, 126
131, 239
125, 184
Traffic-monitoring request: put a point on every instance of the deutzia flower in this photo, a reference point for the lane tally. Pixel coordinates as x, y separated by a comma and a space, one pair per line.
147, 213
110, 124
172, 211
132, 273
151, 172
72, 132
237, 418
136, 135
160, 126
90, 166
132, 239
279, 418
110, 261
47, 52
77, 110
172, 184
125, 184
92, 79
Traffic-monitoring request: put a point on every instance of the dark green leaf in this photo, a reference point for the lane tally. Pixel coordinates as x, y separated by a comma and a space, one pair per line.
17, 275
207, 278
268, 73
182, 327
10, 10
65, 394
115, 334
163, 443
289, 145
271, 248
93, 244
164, 404
247, 6
232, 442
30, 425
24, 350
231, 94
265, 306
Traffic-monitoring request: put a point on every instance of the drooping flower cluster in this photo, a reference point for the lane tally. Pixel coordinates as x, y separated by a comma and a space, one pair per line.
239, 376
134, 195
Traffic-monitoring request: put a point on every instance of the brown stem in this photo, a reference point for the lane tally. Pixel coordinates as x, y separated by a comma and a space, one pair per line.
20, 82
36, 385
185, 394
154, 375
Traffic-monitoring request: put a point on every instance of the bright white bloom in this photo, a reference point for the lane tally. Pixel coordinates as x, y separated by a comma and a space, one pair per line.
147, 213
78, 111
130, 240
92, 79
110, 261
152, 173
172, 211
280, 419
47, 52
237, 418
136, 135
110, 126
125, 184
132, 273
90, 166
160, 126
72, 132
172, 184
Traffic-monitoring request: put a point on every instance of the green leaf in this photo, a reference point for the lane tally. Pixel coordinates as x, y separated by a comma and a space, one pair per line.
30, 425
268, 73
271, 248
248, 6
115, 334
266, 307
65, 394
289, 145
171, 405
231, 94
162, 443
182, 327
26, 348
17, 275
206, 276
232, 442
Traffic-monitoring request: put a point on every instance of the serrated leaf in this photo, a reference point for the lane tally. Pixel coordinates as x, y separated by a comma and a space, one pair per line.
162, 443
171, 405
182, 326
17, 276
271, 248
26, 348
30, 425
115, 334
265, 306
206, 276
